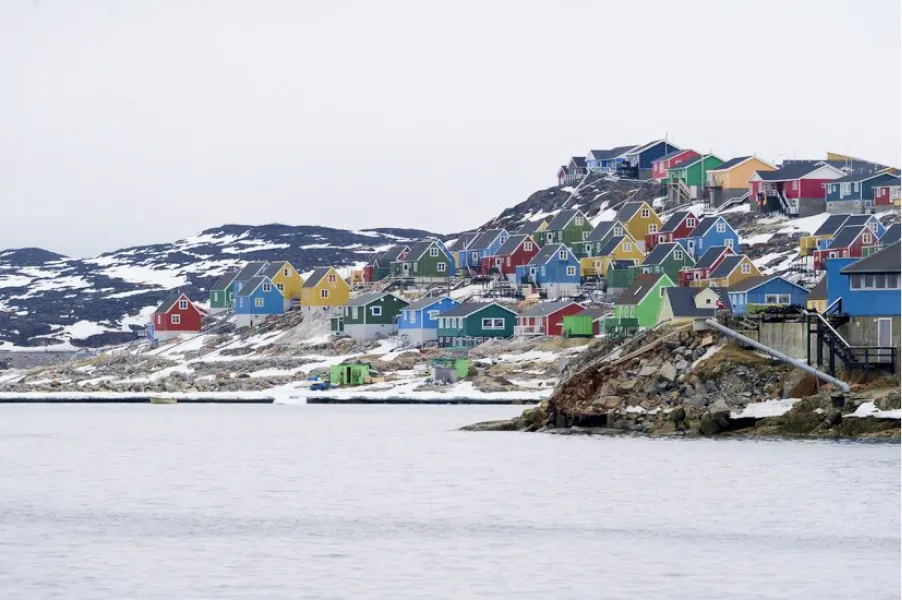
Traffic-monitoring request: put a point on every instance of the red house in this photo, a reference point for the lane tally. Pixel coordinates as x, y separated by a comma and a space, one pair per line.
677, 227
702, 270
176, 315
659, 166
797, 188
887, 194
545, 318
847, 243
516, 251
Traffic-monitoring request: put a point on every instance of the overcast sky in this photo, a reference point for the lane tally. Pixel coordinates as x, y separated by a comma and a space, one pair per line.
133, 122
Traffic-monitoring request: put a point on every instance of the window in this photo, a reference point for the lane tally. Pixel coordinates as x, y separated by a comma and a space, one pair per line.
280, 287
441, 267
376, 311
627, 246
652, 228
795, 185
618, 230
585, 234
332, 279
493, 323
678, 254
175, 319
746, 268
527, 246
728, 243
855, 186
588, 248
543, 270
661, 291
571, 270
266, 287
776, 299
690, 244
562, 255
549, 236
433, 252
324, 293
578, 220
690, 222
432, 314
721, 227
286, 273
183, 305
867, 238
875, 281
845, 189
474, 255
895, 193
258, 302
645, 213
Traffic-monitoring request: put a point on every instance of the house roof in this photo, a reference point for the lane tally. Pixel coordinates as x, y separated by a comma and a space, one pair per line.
704, 225
627, 211
727, 265
425, 302
641, 149
687, 164
365, 299
852, 177
611, 152
468, 308
831, 225
419, 249
392, 254
892, 234
512, 243
580, 161
622, 263
886, 260
671, 155
660, 252
791, 171
531, 226
682, 302
610, 245
548, 252
845, 236
819, 291
751, 283
674, 221
892, 183
730, 163
275, 268
594, 311
710, 257
859, 220
484, 239
561, 219
250, 270
601, 229
252, 284
316, 276
543, 309
464, 240
639, 288
224, 281
168, 301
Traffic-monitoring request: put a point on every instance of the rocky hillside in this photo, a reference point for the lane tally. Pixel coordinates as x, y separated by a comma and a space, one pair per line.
47, 299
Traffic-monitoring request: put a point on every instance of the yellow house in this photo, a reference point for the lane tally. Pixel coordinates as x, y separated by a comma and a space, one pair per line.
817, 298
640, 220
828, 229
325, 288
686, 304
617, 248
732, 270
287, 280
736, 172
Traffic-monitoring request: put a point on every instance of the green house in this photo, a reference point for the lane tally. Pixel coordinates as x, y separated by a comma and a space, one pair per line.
695, 172
570, 227
472, 323
638, 306
222, 293
371, 315
350, 373
669, 258
599, 236
585, 323
427, 260
382, 262
620, 275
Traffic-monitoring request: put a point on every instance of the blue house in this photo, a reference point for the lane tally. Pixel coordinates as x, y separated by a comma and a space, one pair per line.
637, 162
555, 270
836, 223
607, 160
766, 290
483, 245
855, 193
258, 300
250, 270
419, 320
710, 231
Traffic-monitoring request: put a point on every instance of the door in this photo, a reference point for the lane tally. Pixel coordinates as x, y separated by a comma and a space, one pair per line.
885, 338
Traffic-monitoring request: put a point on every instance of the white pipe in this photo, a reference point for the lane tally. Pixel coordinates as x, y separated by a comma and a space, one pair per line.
780, 356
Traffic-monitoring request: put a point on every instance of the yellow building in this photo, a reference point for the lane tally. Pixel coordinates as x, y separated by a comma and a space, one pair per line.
640, 220
287, 280
325, 288
736, 172
685, 305
732, 270
817, 299
617, 248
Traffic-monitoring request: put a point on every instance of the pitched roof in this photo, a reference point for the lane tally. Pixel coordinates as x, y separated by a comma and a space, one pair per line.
819, 291
392, 254
601, 229
548, 252
365, 299
730, 163
859, 220
891, 183
752, 282
594, 311
660, 252
852, 177
710, 257
316, 276
674, 221
225, 281
892, 234
484, 239
727, 265
580, 161
250, 270
531, 226
845, 236
468, 308
791, 171
704, 225
682, 302
511, 245
561, 219
609, 246
640, 149
622, 263
611, 152
426, 302
831, 225
418, 250
671, 155
886, 260
639, 288
275, 268
697, 159
252, 284
627, 211
543, 309
168, 300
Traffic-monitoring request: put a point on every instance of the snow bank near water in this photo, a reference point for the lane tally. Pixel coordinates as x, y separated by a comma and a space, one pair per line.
768, 408
868, 409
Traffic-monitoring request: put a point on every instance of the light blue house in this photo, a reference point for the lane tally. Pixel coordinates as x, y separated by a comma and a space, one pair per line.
607, 160
554, 270
419, 320
484, 245
248, 272
765, 290
855, 193
257, 300
710, 232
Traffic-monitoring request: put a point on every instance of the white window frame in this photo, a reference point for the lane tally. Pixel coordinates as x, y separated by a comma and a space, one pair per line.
618, 230
324, 294
175, 319
432, 315
549, 236
183, 305
585, 235
652, 228
376, 311
267, 288
571, 270
678, 254
646, 213
690, 222
527, 246
286, 272
441, 267
433, 252
578, 220
720, 227
777, 299
627, 246
867, 238
845, 189
562, 255
258, 302
746, 268
332, 278
474, 255
728, 243
280, 287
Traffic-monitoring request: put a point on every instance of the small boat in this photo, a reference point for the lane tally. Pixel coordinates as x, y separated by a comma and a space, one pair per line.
158, 400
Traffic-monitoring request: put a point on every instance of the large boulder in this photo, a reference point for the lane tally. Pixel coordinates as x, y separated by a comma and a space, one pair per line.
889, 402
668, 372
799, 384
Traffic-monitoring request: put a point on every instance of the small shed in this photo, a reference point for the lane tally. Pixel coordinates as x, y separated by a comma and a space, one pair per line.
585, 323
450, 367
350, 373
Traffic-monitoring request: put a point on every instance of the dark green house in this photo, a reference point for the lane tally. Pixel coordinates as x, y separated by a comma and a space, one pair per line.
381, 263
371, 315
222, 293
427, 260
669, 258
472, 323
599, 236
570, 227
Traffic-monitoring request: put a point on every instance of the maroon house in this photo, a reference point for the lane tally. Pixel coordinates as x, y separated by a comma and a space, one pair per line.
545, 318
886, 194
659, 166
797, 188
678, 226
176, 315
705, 265
516, 251
847, 243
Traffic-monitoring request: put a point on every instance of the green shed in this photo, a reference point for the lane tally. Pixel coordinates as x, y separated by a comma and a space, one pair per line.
585, 323
450, 367
351, 373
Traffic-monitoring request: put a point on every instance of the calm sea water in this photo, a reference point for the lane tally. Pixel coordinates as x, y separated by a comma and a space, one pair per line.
184, 502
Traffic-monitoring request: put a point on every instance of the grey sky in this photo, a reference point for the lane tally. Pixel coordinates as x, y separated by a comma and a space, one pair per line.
124, 123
